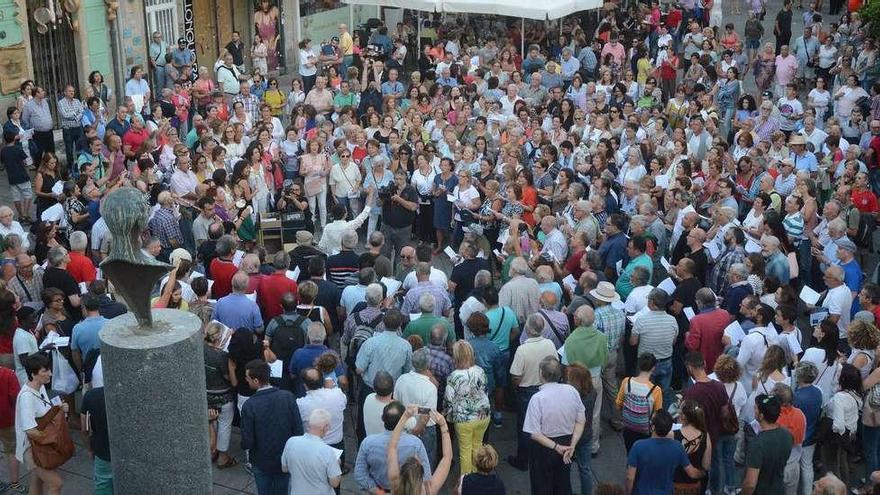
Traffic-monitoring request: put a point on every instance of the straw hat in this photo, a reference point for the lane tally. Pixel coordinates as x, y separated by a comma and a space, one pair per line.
605, 292
797, 139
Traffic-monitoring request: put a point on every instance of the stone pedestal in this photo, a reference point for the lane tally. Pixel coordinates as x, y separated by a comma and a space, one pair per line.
154, 381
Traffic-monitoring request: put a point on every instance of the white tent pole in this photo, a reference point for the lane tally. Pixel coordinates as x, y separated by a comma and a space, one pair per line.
522, 38
419, 33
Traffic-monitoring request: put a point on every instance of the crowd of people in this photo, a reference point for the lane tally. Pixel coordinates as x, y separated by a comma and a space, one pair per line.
628, 228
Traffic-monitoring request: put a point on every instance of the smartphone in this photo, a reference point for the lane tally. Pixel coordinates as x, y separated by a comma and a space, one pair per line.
424, 410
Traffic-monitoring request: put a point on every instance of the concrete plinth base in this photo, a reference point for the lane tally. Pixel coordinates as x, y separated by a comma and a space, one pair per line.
154, 383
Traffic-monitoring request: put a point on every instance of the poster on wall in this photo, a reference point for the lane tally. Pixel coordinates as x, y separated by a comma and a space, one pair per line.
267, 54
189, 33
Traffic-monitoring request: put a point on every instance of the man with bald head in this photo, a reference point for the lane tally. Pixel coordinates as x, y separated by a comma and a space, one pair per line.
589, 347
696, 252
679, 245
406, 262
556, 326
838, 300
237, 310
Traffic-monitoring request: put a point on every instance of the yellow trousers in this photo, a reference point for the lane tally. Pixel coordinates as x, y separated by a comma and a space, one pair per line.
470, 437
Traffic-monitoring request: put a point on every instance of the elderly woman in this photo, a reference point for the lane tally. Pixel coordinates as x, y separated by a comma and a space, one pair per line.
467, 402
466, 201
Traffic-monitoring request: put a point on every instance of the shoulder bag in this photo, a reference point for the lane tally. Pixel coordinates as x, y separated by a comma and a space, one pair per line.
55, 447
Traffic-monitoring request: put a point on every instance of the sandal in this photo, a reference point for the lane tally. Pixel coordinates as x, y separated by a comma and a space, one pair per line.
232, 462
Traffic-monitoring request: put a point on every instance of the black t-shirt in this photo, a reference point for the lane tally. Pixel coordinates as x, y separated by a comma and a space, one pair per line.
206, 253
463, 275
784, 20
63, 281
300, 257
93, 406
395, 215
235, 51
329, 296
342, 268
216, 369
769, 454
685, 293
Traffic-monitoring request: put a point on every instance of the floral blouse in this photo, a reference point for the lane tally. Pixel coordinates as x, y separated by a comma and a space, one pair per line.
466, 397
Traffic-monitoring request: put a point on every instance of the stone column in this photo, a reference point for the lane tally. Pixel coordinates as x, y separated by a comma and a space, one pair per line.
154, 381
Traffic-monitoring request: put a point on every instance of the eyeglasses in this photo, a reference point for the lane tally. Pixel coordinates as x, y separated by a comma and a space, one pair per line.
615, 111
344, 156
273, 84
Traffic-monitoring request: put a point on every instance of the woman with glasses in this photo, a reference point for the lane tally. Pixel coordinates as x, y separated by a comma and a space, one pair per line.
345, 183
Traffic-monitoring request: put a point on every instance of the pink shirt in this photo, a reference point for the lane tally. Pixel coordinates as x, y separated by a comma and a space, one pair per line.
617, 52
786, 68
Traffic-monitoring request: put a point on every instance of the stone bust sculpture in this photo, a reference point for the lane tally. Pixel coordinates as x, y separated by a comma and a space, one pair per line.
132, 273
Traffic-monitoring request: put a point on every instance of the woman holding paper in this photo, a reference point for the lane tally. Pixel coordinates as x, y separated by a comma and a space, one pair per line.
824, 355
219, 391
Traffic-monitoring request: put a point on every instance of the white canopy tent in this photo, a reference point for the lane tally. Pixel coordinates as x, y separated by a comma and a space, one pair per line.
543, 10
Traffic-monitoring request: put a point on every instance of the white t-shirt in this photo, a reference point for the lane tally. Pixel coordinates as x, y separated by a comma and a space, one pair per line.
826, 381
23, 342
637, 299
751, 353
437, 277
838, 301
373, 408
304, 68
416, 389
30, 405
738, 396
465, 196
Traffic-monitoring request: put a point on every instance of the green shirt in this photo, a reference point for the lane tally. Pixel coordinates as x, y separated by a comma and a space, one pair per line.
769, 454
341, 100
502, 321
422, 327
587, 346
623, 285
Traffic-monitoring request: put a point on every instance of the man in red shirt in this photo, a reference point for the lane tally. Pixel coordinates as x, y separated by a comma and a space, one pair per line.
274, 286
9, 389
222, 267
869, 299
707, 328
862, 197
81, 267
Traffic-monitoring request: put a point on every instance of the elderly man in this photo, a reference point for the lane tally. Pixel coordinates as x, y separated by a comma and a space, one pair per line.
416, 389
838, 300
707, 327
638, 298
353, 295
520, 293
424, 285
555, 246
556, 322
305, 357
525, 374
343, 267
371, 316
319, 471
249, 101
827, 253
589, 347
165, 226
535, 93
81, 266
655, 332
10, 226
28, 282
737, 290
724, 218
384, 351
732, 253
405, 267
611, 321
474, 302
332, 400
777, 262
371, 467
56, 275
636, 248
424, 318
555, 420
237, 310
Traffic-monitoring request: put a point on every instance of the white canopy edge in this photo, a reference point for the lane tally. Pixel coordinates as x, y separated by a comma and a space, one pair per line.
547, 9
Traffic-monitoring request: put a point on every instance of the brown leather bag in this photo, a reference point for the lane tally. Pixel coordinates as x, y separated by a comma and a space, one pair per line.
56, 446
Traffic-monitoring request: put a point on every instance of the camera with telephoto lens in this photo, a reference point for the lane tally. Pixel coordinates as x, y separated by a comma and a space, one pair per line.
385, 192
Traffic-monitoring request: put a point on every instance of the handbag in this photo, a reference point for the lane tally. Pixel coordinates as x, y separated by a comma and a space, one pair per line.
56, 446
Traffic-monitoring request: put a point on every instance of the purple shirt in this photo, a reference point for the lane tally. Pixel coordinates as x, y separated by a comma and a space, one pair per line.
411, 301
554, 410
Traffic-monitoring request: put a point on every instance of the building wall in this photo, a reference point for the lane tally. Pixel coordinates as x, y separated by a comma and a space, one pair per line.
132, 35
94, 42
15, 55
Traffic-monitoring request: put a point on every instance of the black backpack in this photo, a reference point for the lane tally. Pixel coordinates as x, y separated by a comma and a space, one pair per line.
289, 336
363, 331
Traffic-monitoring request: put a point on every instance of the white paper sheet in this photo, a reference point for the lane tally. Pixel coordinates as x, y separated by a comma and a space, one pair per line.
665, 262
662, 181
735, 332
809, 296
668, 285
252, 296
292, 274
632, 318
752, 246
712, 249
816, 317
392, 285
83, 287
562, 357
450, 198
414, 316
689, 312
276, 368
619, 266
236, 258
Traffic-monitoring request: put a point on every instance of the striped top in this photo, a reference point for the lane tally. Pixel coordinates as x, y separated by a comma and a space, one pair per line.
657, 331
794, 227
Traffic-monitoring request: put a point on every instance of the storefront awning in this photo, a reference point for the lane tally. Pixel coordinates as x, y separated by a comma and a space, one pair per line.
547, 9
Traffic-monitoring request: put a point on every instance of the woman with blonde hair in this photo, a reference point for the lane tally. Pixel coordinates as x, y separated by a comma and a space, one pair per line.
864, 338
467, 403
484, 481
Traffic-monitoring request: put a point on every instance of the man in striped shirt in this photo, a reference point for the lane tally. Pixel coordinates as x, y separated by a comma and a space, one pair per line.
655, 333
794, 221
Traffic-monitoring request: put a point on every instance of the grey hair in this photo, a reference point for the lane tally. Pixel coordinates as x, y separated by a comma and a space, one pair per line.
426, 302
727, 211
319, 418
835, 272
423, 269
421, 359
551, 369
366, 276
640, 276
225, 245
281, 260
78, 240
584, 316
316, 332
57, 255
519, 266
14, 241
534, 325
544, 274
806, 372
837, 225
349, 239
705, 298
658, 298
240, 282
483, 278
739, 270
374, 295
783, 391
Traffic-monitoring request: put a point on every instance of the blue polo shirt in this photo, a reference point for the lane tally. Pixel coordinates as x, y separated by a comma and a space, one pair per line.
85, 334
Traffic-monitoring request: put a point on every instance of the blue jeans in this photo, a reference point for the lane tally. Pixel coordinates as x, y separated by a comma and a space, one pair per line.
270, 483
662, 377
347, 61
429, 439
103, 477
871, 447
722, 474
583, 451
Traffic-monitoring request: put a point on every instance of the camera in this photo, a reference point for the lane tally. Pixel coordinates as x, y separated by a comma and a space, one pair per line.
385, 192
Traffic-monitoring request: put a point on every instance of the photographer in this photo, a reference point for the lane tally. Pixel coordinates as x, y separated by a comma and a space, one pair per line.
294, 208
400, 201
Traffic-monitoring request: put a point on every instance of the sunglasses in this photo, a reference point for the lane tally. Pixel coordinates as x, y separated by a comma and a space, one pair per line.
344, 156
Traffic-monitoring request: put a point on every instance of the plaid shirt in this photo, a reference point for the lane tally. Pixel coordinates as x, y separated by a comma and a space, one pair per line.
441, 363
717, 278
411, 300
164, 226
70, 112
251, 105
611, 322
